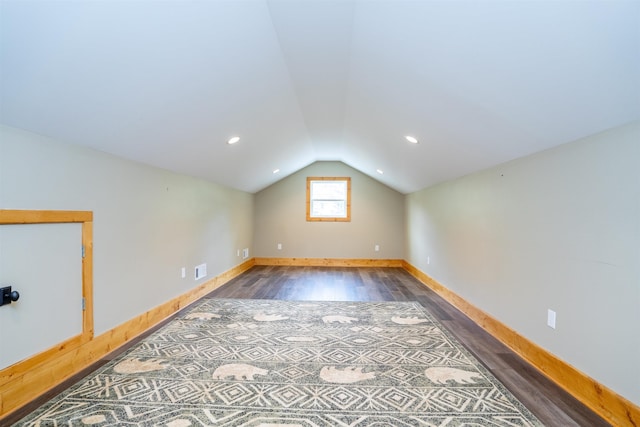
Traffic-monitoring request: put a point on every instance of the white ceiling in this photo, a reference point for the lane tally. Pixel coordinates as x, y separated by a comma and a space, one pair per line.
168, 82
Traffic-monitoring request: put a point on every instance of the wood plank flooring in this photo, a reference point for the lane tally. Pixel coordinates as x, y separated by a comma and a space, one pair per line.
552, 405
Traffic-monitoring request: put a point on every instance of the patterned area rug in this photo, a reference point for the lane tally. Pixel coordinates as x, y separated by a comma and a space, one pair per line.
284, 363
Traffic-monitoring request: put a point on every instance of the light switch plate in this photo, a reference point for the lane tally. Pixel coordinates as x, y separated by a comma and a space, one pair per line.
551, 318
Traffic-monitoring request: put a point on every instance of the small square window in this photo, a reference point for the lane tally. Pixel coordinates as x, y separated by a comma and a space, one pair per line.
328, 199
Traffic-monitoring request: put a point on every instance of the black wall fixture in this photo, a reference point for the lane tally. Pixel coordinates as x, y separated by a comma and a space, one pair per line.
7, 296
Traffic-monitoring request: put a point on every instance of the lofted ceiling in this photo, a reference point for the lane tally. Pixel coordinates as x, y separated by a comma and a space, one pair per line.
167, 83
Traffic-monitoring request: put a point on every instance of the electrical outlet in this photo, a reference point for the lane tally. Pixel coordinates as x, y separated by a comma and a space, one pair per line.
238, 253
245, 253
376, 248
279, 246
428, 260
184, 272
551, 319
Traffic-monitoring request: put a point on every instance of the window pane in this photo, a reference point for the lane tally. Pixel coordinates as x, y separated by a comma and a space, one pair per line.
328, 208
328, 198
329, 190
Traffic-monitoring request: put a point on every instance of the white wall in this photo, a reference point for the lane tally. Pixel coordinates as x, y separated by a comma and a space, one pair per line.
148, 223
559, 229
377, 218
556, 230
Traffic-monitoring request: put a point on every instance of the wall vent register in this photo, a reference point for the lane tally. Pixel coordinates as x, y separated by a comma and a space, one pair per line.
201, 271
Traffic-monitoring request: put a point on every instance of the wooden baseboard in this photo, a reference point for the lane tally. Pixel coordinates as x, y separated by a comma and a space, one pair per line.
602, 400
330, 262
21, 387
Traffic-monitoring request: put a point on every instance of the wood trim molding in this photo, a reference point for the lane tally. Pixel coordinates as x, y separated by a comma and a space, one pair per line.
347, 179
21, 387
14, 371
19, 217
87, 280
9, 216
602, 400
330, 262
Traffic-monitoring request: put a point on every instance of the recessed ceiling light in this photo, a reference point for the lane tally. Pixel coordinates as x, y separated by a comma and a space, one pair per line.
411, 139
233, 140
380, 171
276, 170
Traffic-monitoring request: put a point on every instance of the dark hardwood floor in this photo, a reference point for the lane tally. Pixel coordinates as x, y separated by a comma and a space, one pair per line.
552, 405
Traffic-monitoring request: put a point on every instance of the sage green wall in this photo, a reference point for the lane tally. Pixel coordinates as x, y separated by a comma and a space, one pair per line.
148, 222
557, 230
377, 218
